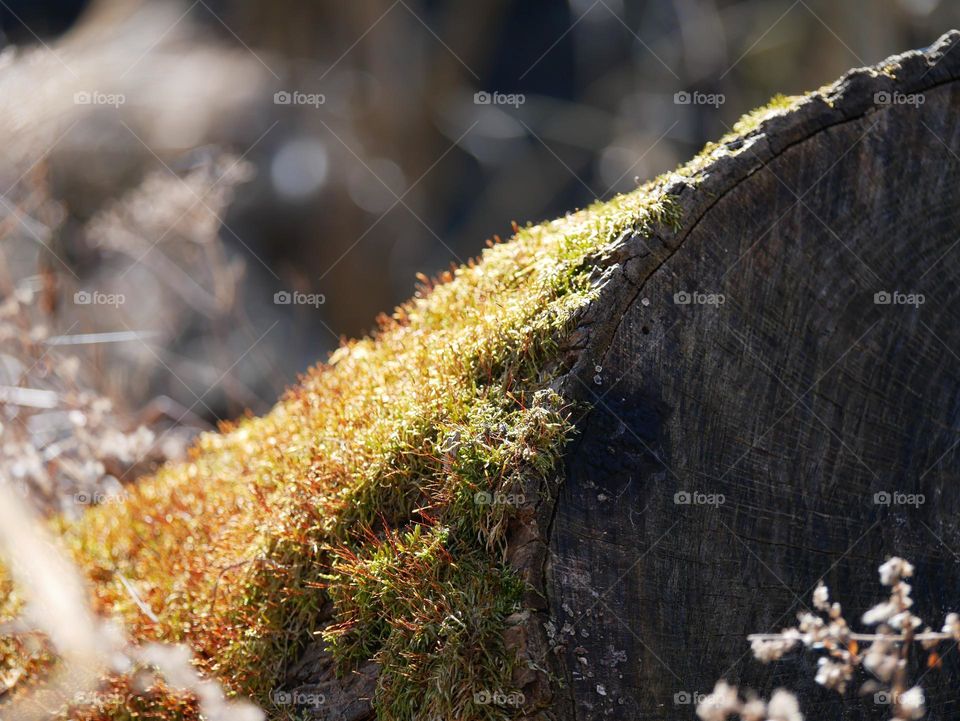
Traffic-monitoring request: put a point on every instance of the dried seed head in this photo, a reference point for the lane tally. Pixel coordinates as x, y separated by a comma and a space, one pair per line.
720, 703
821, 597
911, 704
951, 625
767, 650
895, 569
783, 706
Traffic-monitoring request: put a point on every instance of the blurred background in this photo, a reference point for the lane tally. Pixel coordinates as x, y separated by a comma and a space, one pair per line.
197, 200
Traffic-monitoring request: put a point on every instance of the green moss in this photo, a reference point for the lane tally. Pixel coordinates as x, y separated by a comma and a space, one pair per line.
369, 484
743, 128
777, 105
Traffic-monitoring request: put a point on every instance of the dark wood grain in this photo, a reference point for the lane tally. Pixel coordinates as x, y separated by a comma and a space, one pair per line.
796, 400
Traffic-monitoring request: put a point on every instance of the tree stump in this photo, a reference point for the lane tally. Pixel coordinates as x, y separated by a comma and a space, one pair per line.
762, 355
774, 398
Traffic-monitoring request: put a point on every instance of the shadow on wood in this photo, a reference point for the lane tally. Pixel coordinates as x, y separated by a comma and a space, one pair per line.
774, 398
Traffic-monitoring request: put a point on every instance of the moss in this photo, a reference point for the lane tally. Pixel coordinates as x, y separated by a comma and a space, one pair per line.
743, 128
369, 484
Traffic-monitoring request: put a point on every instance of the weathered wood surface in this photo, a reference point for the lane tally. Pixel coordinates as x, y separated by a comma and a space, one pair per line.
797, 400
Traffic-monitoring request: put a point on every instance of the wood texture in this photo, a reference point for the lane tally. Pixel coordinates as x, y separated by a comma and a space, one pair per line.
795, 401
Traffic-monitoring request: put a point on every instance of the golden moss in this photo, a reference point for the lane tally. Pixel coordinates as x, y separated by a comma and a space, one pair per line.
361, 486
351, 476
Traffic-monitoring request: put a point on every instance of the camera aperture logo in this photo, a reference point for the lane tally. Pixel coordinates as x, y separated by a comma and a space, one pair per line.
285, 297
885, 297
696, 97
698, 498
896, 498
95, 97
695, 297
513, 699
495, 98
295, 97
95, 297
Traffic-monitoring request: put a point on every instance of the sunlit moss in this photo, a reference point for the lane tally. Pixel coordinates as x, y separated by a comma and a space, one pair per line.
747, 124
361, 486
